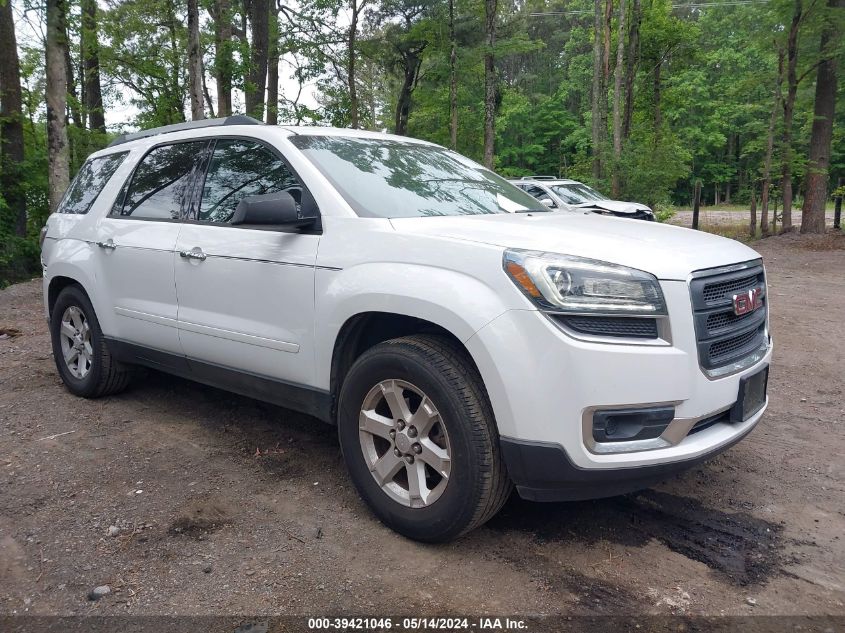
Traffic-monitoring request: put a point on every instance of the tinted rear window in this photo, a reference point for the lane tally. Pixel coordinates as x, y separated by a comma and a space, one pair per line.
161, 184
89, 182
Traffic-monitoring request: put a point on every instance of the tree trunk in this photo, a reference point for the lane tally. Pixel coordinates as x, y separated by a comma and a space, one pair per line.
818, 166
491, 9
223, 56
617, 101
770, 144
11, 123
453, 80
658, 114
350, 66
752, 225
631, 68
788, 110
730, 161
259, 18
73, 101
273, 71
837, 207
597, 88
696, 203
57, 144
412, 60
208, 102
90, 50
605, 75
194, 61
175, 112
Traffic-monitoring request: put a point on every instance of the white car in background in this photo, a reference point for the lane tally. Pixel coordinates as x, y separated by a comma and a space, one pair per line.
571, 195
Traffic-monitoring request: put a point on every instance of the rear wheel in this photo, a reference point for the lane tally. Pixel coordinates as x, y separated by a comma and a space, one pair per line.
82, 358
419, 438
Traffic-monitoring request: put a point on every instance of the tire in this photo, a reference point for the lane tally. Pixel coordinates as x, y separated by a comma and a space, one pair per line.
93, 372
477, 484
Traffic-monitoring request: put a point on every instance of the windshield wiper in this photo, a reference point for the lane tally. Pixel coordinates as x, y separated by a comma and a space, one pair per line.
540, 210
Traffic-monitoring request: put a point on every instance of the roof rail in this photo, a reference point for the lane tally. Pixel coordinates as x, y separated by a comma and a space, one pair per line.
538, 178
238, 119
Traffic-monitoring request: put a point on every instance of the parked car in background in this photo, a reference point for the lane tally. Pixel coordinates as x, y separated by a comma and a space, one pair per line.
571, 195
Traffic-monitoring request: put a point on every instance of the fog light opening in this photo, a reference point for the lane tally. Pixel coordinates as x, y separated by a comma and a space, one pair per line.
627, 425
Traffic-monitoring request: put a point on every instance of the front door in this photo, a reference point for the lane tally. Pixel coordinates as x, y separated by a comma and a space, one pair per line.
135, 266
246, 295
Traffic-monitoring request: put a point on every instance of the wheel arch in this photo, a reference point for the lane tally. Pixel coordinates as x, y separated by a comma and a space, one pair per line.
55, 287
364, 330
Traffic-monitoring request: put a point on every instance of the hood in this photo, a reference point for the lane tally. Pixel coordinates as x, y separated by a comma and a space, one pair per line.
668, 252
614, 206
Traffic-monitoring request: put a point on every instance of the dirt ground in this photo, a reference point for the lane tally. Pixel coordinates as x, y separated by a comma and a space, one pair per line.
223, 505
710, 216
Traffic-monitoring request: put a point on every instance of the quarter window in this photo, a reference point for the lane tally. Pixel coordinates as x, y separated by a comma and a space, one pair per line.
89, 182
242, 168
161, 185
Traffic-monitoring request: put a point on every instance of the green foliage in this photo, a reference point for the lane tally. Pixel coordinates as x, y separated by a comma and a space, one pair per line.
18, 259
651, 166
702, 98
663, 212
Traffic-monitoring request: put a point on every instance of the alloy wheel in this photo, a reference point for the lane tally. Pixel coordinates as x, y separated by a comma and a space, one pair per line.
75, 337
405, 443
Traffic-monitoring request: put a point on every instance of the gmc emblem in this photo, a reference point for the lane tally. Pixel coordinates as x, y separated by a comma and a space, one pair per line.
748, 301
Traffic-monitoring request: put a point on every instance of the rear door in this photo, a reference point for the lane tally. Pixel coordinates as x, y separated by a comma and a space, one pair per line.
246, 295
136, 246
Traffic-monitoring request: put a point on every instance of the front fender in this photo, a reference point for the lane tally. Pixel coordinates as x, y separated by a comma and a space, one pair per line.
457, 302
73, 259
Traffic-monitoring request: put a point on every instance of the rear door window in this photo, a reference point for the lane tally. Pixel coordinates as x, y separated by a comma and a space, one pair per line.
89, 182
162, 183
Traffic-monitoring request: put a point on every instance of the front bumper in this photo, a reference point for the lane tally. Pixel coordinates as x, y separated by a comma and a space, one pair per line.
543, 471
544, 383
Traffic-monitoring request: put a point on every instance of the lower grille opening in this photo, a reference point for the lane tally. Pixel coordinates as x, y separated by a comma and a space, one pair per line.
706, 423
629, 327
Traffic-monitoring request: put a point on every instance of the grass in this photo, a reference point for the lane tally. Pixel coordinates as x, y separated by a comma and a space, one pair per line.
737, 231
832, 240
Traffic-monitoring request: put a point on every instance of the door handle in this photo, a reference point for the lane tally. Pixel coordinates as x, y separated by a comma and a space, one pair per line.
194, 253
108, 244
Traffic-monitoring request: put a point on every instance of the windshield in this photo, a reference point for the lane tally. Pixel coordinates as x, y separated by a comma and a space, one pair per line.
391, 179
577, 193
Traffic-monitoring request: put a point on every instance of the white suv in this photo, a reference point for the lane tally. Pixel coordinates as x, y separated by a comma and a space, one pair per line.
394, 288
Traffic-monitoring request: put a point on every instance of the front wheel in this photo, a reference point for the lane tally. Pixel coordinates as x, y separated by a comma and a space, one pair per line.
419, 439
84, 362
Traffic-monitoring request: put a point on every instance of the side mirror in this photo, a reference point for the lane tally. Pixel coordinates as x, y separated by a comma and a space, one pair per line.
270, 209
547, 202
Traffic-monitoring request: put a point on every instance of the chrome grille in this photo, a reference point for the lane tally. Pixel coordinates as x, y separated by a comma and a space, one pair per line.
724, 337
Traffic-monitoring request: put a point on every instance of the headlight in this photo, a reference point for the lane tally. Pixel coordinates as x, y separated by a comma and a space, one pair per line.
565, 284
